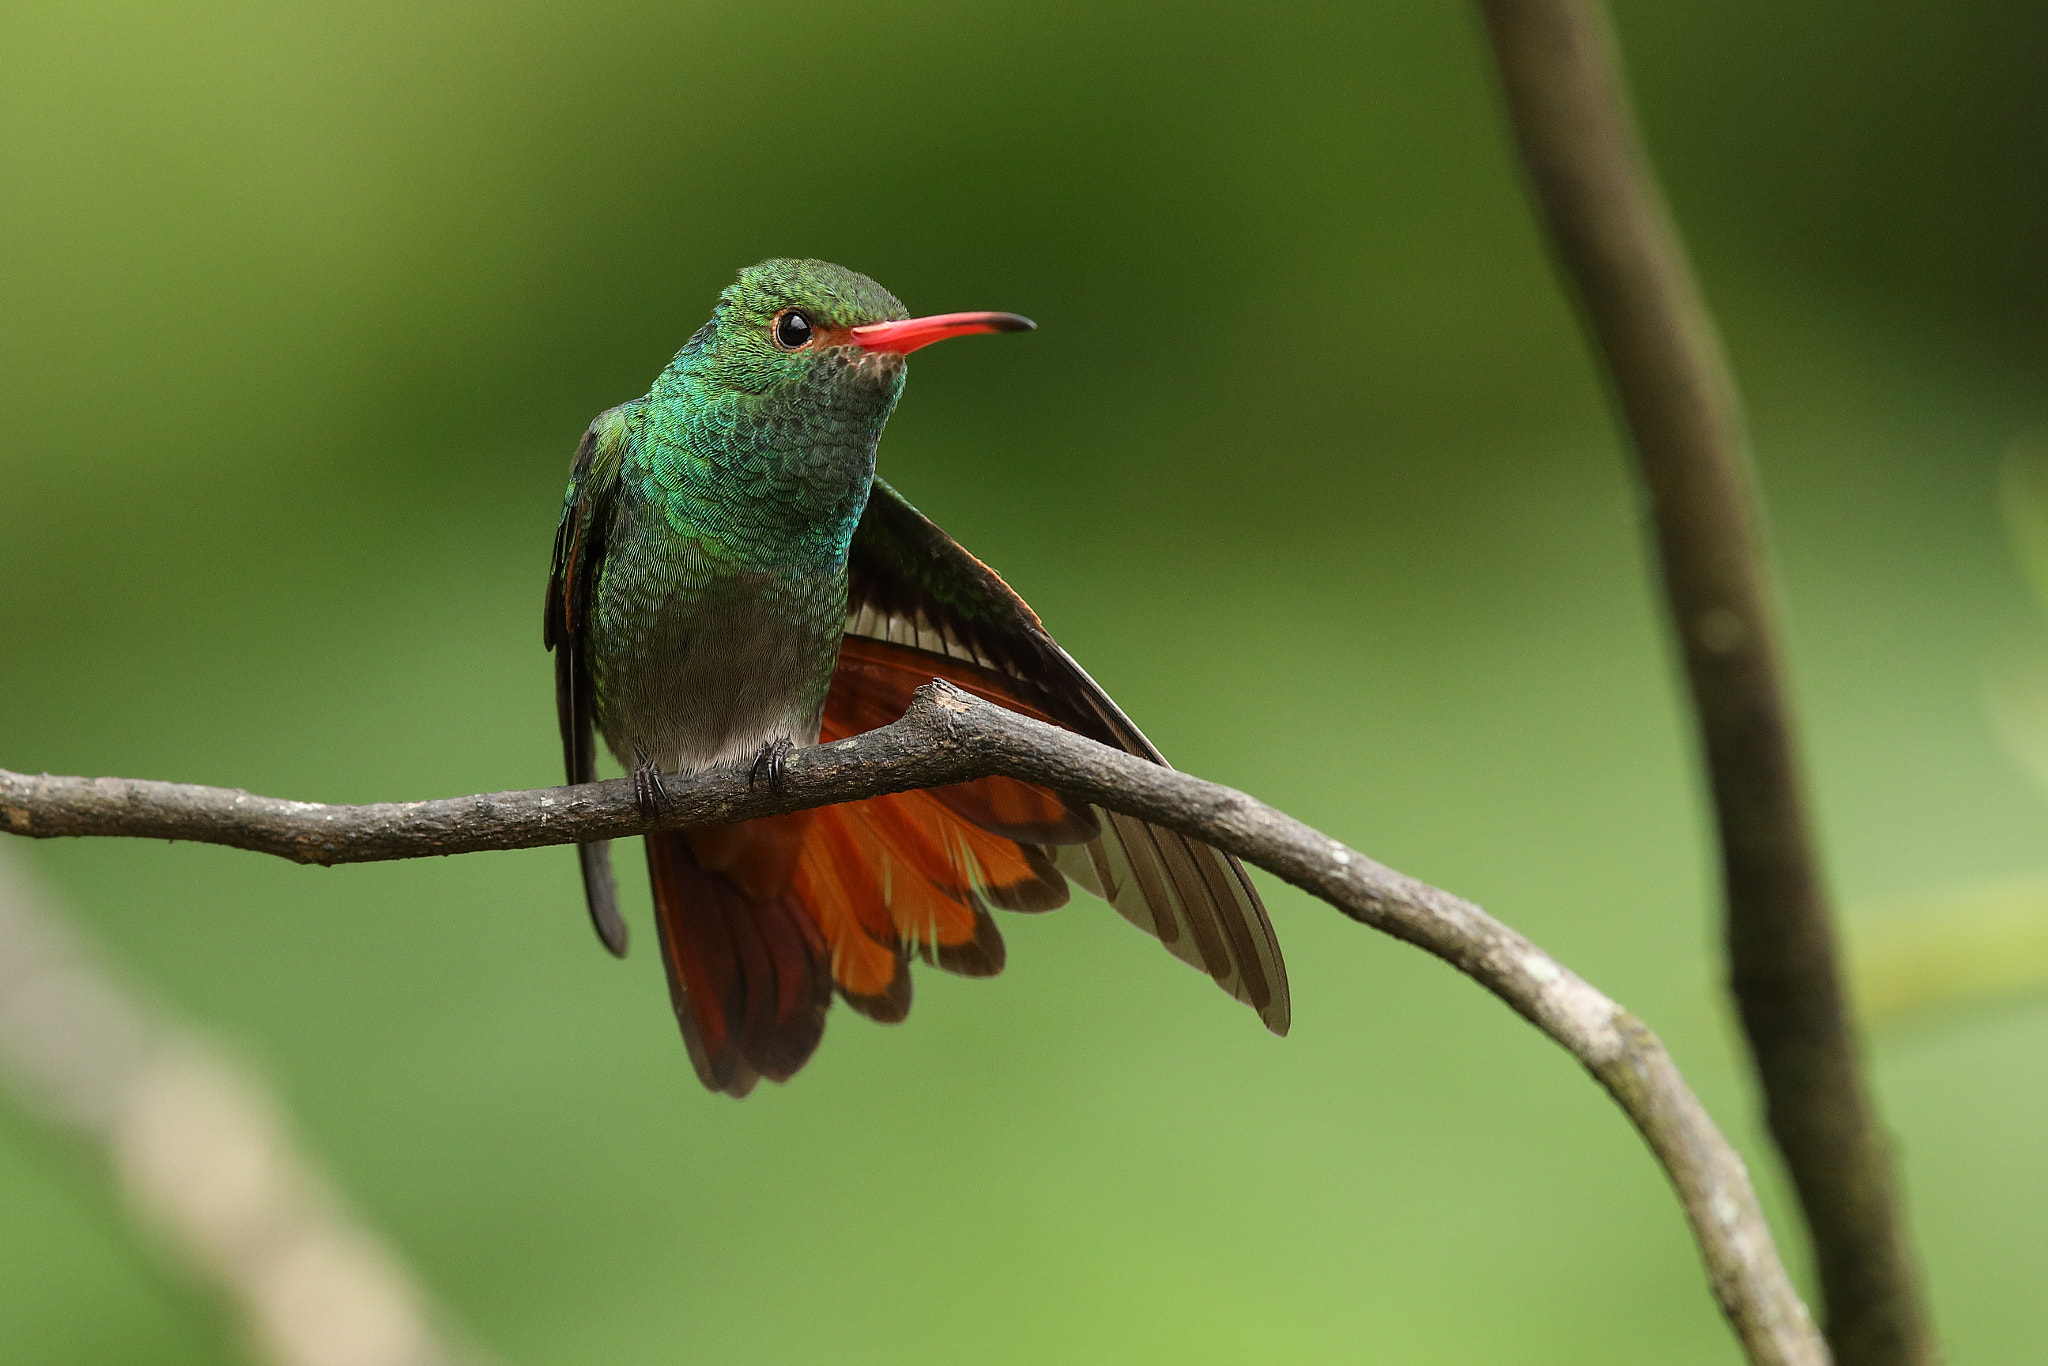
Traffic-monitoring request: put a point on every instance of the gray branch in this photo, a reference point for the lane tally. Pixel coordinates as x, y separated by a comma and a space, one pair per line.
948, 736
204, 1155
1622, 255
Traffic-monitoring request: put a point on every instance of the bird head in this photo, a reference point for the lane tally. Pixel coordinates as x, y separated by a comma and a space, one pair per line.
821, 331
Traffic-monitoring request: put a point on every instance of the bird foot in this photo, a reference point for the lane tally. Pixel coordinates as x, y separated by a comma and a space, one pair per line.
648, 793
769, 764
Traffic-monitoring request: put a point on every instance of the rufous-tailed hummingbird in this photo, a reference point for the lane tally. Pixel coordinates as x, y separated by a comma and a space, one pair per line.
730, 580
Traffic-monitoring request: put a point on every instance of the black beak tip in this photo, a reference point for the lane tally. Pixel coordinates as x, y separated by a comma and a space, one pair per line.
1012, 322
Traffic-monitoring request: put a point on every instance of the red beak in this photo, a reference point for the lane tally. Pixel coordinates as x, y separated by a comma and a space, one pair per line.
906, 336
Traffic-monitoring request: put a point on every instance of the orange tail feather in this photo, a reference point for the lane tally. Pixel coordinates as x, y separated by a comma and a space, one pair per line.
749, 978
761, 920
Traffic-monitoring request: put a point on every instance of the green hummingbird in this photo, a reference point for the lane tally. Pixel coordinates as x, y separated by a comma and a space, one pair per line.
731, 579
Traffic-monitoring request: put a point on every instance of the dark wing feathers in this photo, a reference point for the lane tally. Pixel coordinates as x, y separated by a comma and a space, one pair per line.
579, 557
913, 585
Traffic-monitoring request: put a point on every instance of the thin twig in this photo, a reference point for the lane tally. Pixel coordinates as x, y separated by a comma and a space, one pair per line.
1962, 950
1615, 238
204, 1155
948, 736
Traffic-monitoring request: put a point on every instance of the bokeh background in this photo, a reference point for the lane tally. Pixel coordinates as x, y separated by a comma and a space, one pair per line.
303, 307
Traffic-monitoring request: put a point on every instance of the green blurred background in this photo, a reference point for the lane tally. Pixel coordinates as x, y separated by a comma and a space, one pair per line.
303, 308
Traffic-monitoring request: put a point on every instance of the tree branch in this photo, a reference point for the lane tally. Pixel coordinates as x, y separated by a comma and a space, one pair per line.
1620, 251
204, 1154
949, 736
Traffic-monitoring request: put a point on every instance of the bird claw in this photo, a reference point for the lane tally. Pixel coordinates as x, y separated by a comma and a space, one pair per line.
769, 763
648, 793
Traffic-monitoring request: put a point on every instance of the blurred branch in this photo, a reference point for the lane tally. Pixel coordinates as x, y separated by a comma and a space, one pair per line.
1614, 236
1964, 948
948, 736
203, 1155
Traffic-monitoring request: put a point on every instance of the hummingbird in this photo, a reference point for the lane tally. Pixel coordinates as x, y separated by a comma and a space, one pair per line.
731, 580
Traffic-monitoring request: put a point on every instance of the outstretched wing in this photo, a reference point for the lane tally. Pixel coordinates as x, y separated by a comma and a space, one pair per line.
916, 594
572, 583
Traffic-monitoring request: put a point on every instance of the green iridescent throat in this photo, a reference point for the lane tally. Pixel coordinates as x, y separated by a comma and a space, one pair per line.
765, 457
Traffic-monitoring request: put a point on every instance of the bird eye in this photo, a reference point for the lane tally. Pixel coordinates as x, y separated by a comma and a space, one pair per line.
793, 329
